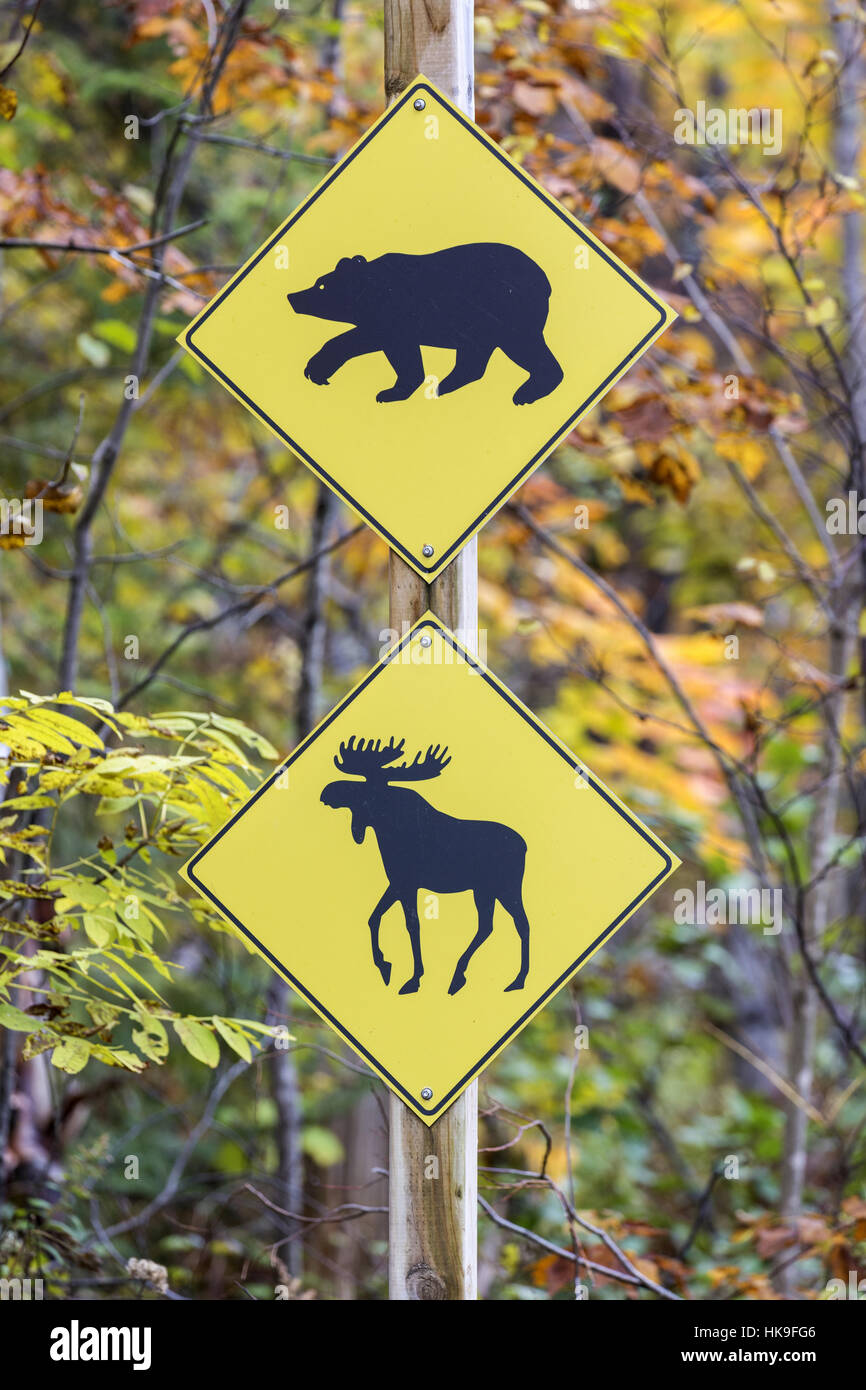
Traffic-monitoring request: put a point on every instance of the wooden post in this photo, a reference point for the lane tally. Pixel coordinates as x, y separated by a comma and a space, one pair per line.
433, 1184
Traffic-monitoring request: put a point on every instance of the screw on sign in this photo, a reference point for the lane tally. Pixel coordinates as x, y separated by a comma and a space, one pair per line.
477, 322
481, 864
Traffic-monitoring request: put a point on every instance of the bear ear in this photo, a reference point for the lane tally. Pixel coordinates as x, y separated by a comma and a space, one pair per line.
359, 260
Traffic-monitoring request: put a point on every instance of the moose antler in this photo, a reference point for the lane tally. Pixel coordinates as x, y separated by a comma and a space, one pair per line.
371, 758
367, 758
420, 769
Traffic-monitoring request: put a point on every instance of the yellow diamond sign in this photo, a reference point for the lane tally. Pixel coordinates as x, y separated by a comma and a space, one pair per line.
426, 327
429, 867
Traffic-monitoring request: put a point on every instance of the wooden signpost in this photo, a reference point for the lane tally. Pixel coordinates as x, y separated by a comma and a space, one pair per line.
431, 864
433, 1222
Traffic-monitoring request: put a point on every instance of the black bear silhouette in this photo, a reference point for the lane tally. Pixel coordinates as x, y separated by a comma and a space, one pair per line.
473, 298
423, 848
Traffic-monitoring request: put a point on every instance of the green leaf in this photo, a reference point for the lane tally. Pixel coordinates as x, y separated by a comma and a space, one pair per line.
245, 734
234, 1038
151, 1038
96, 353
191, 368
322, 1145
115, 805
198, 1040
117, 1057
103, 1015
272, 1030
100, 930
71, 1055
117, 333
17, 1020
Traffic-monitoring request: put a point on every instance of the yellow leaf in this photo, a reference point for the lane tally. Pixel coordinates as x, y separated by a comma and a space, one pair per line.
744, 450
634, 491
677, 472
825, 311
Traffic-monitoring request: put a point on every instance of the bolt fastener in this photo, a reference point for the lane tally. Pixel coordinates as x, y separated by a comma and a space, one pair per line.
419, 103
426, 641
426, 1094
427, 550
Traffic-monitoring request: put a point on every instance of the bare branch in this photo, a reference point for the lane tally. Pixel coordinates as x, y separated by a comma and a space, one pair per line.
234, 610
17, 243
638, 1279
212, 138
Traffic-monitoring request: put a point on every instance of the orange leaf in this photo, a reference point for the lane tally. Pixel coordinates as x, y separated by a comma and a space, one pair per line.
617, 166
54, 498
536, 101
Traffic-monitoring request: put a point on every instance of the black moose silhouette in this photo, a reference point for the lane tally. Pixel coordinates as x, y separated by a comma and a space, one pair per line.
472, 298
424, 848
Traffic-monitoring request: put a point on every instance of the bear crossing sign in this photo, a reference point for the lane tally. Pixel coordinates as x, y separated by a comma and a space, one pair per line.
426, 327
429, 867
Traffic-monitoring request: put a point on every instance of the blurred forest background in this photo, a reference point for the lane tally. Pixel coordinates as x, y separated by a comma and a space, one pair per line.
678, 593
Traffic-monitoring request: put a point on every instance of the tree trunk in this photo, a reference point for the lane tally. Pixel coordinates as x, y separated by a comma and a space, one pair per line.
847, 603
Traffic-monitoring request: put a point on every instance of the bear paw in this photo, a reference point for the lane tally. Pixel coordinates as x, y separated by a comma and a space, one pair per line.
527, 393
392, 393
317, 372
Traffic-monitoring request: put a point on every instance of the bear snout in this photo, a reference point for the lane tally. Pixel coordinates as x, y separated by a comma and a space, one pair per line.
305, 301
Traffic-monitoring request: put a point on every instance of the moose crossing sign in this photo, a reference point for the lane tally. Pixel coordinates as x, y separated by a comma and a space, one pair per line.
426, 327
429, 867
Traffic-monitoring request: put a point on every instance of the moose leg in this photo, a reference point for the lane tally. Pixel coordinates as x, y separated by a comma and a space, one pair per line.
413, 927
485, 904
521, 922
382, 965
